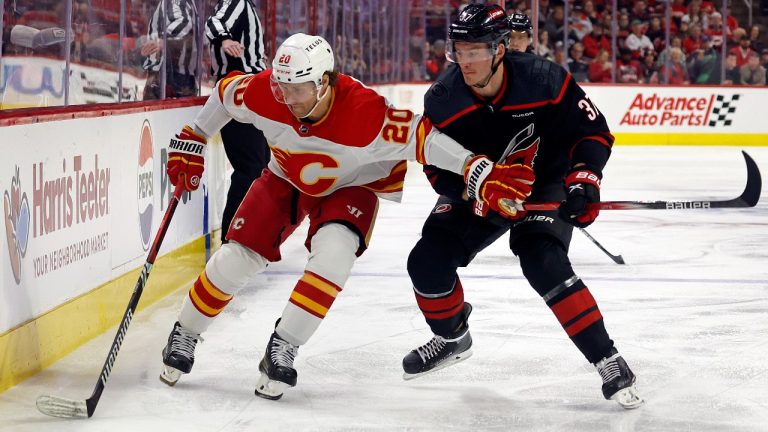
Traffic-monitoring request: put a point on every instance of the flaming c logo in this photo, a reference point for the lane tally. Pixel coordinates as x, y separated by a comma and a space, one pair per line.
305, 169
16, 212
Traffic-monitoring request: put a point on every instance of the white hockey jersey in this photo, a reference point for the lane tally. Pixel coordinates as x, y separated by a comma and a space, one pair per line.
361, 140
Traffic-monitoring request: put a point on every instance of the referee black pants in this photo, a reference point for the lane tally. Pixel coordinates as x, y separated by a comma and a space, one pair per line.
247, 151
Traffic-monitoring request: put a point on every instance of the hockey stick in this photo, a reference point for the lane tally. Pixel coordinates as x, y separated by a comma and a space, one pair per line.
616, 258
748, 198
70, 408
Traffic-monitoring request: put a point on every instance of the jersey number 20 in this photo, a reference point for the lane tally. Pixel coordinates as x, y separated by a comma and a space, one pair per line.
398, 126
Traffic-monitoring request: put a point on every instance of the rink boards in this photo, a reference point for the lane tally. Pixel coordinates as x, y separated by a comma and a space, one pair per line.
83, 195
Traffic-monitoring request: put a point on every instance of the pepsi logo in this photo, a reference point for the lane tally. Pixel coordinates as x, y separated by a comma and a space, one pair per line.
145, 184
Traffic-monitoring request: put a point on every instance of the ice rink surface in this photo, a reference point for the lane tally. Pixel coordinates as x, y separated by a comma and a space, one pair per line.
689, 312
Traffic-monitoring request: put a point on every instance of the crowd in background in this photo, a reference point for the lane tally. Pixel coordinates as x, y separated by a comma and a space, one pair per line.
377, 41
694, 54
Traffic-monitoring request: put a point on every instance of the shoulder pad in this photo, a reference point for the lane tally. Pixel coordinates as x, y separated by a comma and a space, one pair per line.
447, 96
548, 74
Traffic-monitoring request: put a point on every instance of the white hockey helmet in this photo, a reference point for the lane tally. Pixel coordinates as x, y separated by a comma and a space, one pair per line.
302, 58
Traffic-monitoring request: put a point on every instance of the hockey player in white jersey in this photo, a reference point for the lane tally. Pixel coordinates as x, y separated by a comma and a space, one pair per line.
337, 146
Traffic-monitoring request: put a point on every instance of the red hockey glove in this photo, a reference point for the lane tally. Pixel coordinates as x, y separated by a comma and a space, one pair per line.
487, 183
186, 159
583, 189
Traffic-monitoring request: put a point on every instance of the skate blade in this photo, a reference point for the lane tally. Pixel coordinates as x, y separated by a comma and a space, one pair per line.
628, 398
456, 358
170, 375
270, 389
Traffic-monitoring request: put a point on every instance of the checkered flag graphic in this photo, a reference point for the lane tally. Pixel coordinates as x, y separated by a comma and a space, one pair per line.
722, 109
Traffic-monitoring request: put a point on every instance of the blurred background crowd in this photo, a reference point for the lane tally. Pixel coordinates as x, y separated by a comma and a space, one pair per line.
69, 52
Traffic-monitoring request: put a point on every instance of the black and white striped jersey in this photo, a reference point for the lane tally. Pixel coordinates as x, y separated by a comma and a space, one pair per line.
180, 27
236, 20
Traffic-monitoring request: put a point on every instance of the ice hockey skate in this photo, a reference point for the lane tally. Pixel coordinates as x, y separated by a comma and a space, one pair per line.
277, 372
440, 352
178, 354
618, 381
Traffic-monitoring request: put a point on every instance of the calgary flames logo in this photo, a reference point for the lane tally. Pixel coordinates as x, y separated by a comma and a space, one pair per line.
305, 170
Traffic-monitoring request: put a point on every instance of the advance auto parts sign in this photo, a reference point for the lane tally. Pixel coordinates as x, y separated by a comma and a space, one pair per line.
704, 110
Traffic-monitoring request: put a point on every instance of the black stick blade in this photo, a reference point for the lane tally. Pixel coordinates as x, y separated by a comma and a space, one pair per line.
752, 190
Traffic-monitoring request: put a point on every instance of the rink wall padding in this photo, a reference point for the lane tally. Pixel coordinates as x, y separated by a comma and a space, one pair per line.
650, 115
84, 190
36, 344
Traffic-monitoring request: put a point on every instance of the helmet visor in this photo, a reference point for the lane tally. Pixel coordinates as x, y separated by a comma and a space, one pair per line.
292, 93
469, 52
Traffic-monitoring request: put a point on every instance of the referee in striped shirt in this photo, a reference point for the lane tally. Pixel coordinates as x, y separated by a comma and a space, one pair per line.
176, 21
237, 44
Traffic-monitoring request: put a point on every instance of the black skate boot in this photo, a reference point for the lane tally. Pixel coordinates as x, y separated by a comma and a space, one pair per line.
440, 351
179, 354
277, 372
618, 381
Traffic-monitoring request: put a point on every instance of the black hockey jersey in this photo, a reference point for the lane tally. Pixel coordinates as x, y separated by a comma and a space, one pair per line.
552, 121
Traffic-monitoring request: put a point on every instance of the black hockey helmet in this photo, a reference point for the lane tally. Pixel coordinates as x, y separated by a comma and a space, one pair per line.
520, 22
480, 23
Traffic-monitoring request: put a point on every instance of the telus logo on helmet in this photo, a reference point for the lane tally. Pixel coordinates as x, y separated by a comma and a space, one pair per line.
311, 46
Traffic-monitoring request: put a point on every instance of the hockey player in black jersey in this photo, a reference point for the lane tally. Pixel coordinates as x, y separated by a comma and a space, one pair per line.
521, 32
512, 107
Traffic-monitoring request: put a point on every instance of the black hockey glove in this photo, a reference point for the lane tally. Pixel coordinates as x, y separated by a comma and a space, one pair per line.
583, 189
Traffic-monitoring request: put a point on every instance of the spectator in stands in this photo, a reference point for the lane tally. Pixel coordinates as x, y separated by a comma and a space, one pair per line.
355, 65
545, 10
20, 32
679, 9
694, 41
732, 71
580, 25
172, 31
693, 15
600, 68
705, 64
744, 50
637, 41
559, 54
752, 73
682, 31
655, 33
628, 70
555, 22
591, 13
732, 22
755, 40
639, 12
596, 41
715, 28
625, 29
663, 56
649, 68
436, 63
578, 68
678, 74
544, 49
